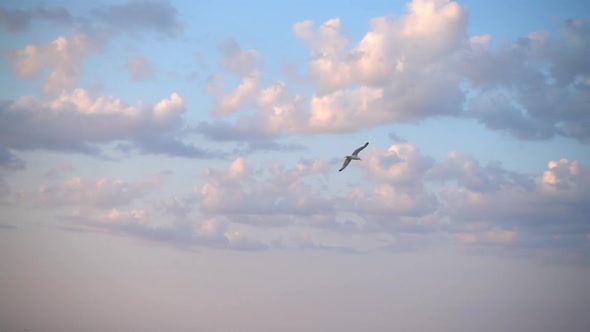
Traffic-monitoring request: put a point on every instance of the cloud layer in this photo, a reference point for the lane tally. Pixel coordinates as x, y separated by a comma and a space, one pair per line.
406, 68
420, 65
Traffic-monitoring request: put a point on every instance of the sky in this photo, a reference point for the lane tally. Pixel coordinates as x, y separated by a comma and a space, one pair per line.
173, 166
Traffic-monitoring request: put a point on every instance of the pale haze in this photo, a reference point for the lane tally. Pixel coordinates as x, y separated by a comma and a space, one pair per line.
173, 166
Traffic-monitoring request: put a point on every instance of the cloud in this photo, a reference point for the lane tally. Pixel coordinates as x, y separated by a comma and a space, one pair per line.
63, 55
248, 139
245, 65
277, 111
139, 16
535, 87
19, 20
403, 70
420, 65
230, 102
237, 60
81, 192
401, 164
469, 174
414, 199
139, 68
494, 206
80, 122
8, 164
183, 234
396, 138
280, 196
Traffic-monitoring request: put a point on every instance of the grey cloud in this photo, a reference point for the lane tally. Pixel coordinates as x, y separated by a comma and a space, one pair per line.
569, 55
470, 174
7, 227
270, 145
181, 234
237, 60
396, 138
139, 68
281, 196
249, 139
520, 211
139, 16
18, 20
95, 194
78, 122
225, 131
166, 145
536, 87
8, 162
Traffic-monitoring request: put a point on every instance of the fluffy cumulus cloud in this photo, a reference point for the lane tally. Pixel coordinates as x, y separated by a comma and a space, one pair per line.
281, 196
493, 206
413, 199
402, 70
405, 68
78, 121
424, 64
407, 198
64, 56
535, 87
128, 208
131, 17
243, 64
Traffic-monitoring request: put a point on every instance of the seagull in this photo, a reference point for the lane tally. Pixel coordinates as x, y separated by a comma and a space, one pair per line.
354, 156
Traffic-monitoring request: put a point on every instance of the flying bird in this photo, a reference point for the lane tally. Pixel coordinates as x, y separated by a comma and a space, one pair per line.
353, 156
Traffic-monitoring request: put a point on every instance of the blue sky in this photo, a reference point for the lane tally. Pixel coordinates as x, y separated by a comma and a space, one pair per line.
174, 165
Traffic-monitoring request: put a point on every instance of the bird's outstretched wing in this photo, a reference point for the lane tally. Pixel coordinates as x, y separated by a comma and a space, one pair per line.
356, 152
346, 162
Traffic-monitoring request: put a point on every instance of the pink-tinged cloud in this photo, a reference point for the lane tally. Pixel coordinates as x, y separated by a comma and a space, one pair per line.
64, 56
139, 68
186, 234
476, 205
424, 64
400, 164
95, 194
547, 210
81, 122
485, 207
280, 195
245, 65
